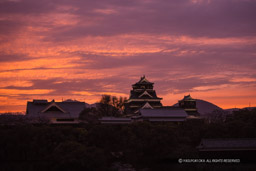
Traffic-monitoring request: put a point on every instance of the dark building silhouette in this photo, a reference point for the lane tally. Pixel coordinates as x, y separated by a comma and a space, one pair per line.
163, 114
57, 112
189, 105
243, 149
142, 96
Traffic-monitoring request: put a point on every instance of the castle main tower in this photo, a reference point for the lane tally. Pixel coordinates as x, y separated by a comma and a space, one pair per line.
142, 96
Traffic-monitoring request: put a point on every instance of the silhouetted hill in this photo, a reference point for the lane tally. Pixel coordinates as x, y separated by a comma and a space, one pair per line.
249, 108
236, 109
231, 110
204, 107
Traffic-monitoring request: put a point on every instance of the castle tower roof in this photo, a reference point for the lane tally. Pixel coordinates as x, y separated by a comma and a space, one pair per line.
143, 80
141, 94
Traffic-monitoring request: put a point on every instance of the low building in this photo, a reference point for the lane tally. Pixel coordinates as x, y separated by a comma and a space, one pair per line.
57, 112
189, 105
163, 115
244, 149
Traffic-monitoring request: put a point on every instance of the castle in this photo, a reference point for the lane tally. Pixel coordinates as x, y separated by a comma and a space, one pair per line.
142, 96
142, 105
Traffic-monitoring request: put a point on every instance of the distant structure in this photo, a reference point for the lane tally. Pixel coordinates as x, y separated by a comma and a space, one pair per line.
189, 105
142, 105
57, 112
142, 96
164, 114
228, 148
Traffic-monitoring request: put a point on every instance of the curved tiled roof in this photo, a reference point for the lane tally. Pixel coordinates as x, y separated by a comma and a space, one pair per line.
143, 80
72, 109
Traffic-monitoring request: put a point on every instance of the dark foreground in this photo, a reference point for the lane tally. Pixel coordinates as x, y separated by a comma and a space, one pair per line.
140, 146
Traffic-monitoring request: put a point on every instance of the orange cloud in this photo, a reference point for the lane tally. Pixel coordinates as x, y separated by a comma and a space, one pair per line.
67, 45
11, 92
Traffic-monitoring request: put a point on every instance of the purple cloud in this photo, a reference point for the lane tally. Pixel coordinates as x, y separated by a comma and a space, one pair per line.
181, 45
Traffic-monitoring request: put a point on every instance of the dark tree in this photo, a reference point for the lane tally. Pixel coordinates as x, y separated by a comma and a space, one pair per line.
217, 116
89, 115
111, 106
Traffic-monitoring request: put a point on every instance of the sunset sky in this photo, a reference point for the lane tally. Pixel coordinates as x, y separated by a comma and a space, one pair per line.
79, 49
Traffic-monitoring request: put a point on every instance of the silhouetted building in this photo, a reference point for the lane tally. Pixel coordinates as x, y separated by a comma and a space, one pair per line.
142, 96
57, 112
244, 149
163, 114
189, 105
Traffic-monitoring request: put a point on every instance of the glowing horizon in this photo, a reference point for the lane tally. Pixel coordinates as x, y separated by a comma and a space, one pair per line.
81, 50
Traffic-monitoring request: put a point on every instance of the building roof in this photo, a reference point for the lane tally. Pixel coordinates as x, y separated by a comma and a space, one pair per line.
64, 109
145, 93
142, 95
187, 98
226, 144
146, 106
163, 112
143, 80
53, 106
40, 101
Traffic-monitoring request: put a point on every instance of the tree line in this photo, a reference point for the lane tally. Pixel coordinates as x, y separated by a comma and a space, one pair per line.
107, 106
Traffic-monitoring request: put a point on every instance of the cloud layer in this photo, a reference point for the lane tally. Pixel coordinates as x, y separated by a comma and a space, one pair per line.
82, 49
